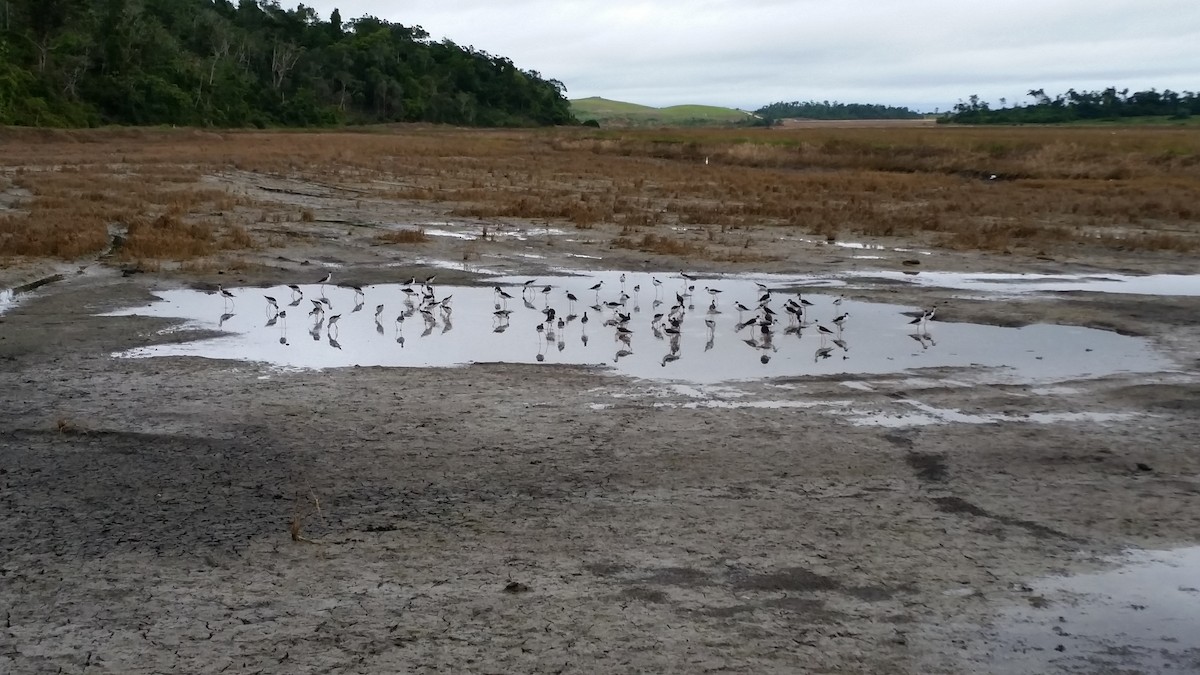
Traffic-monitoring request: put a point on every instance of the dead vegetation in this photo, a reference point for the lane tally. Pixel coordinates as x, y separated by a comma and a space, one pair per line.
1027, 190
305, 507
404, 236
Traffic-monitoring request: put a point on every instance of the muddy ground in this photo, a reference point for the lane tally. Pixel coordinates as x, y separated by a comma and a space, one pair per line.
189, 515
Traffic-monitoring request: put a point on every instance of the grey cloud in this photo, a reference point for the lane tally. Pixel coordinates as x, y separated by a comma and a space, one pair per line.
921, 53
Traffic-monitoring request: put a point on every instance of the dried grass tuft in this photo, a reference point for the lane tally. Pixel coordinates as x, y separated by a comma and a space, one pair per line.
403, 236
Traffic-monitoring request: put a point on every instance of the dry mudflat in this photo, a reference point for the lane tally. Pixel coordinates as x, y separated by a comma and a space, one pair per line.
198, 515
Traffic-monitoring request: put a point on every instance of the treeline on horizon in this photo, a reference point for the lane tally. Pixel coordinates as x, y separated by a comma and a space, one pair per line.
79, 63
1074, 106
824, 110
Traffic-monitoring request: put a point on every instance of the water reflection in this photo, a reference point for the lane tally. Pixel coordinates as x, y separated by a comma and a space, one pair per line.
696, 329
1139, 617
1008, 285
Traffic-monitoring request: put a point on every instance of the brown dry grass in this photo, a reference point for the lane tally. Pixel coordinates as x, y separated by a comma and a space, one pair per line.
403, 236
1114, 189
71, 208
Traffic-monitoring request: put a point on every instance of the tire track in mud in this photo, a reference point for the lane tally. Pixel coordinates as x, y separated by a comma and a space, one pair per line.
932, 468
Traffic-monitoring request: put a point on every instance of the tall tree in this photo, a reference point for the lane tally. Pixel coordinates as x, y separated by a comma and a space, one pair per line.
249, 62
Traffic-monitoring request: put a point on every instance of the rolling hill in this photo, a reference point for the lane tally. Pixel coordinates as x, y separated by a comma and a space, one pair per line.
619, 113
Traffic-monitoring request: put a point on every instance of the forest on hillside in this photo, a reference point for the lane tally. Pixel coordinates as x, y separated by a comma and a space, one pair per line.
824, 110
76, 63
1076, 106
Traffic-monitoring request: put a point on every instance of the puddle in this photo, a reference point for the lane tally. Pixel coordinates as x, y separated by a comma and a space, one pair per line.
452, 235
998, 285
446, 265
863, 246
472, 231
925, 415
713, 344
1143, 616
9, 297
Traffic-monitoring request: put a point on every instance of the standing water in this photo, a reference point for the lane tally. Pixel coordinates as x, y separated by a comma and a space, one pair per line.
702, 330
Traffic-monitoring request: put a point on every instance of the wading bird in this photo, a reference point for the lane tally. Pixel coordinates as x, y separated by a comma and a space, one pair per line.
225, 295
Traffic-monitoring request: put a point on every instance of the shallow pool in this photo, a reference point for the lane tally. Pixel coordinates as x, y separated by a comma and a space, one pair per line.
625, 326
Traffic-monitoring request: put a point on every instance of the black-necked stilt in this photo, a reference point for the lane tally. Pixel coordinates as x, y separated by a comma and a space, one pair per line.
504, 296
922, 322
272, 306
824, 333
226, 296
297, 294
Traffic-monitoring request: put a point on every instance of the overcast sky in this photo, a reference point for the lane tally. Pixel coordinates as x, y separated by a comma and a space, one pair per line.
924, 54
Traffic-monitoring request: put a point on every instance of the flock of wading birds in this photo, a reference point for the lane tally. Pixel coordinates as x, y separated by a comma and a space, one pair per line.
757, 319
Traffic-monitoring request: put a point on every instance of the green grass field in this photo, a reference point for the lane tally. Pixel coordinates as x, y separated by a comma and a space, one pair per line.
620, 113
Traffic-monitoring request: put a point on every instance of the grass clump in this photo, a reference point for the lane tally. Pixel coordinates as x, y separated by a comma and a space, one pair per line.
653, 243
403, 236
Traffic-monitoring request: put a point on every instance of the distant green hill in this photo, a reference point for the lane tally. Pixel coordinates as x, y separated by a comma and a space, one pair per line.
620, 113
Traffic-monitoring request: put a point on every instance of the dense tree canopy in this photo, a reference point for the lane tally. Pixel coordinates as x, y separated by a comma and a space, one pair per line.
824, 110
249, 63
1078, 106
